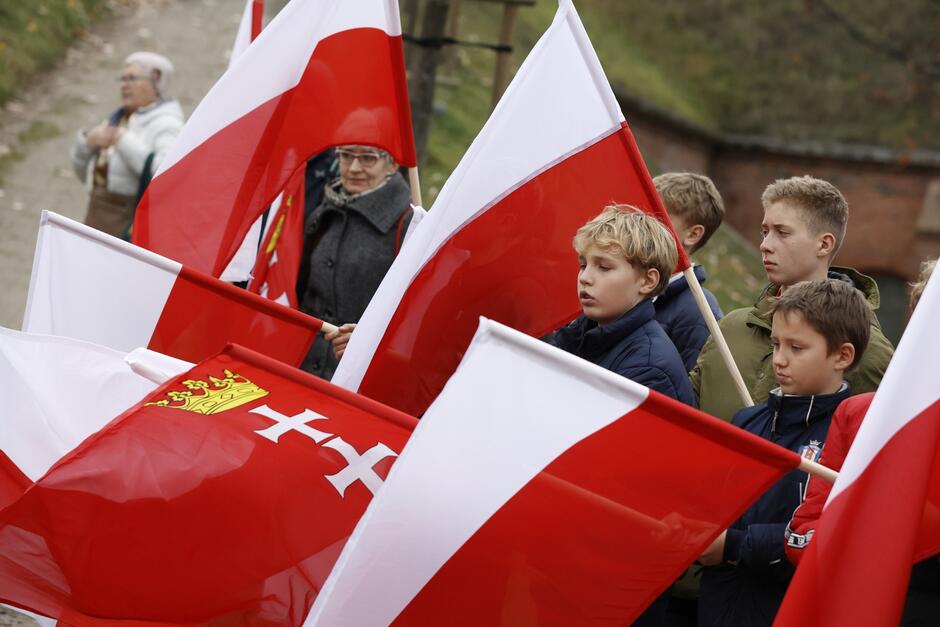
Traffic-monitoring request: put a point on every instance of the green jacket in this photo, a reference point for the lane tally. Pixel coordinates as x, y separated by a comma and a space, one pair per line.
747, 332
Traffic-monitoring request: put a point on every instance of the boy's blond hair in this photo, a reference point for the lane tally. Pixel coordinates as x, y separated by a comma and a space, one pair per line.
917, 287
642, 239
834, 308
694, 198
823, 206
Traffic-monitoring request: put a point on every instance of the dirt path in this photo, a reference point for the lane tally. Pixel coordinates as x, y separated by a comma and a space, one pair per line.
37, 128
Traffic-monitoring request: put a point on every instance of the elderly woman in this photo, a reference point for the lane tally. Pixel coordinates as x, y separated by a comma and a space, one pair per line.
117, 157
350, 241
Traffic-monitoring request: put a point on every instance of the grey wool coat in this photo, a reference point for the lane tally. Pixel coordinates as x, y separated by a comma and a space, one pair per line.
350, 242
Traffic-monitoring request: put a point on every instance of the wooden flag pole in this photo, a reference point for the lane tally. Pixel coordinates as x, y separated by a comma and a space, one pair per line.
328, 328
818, 470
712, 323
415, 184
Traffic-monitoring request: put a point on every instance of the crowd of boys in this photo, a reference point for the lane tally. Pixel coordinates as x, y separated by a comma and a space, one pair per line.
810, 343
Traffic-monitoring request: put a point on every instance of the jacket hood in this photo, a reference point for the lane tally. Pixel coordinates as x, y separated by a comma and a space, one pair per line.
681, 284
760, 313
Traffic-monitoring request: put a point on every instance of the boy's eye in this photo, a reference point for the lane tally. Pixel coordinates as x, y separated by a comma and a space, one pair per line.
603, 267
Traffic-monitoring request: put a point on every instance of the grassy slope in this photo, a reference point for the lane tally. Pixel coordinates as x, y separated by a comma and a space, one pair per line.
735, 272
35, 33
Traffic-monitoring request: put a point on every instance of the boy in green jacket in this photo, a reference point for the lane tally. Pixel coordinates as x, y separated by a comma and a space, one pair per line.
804, 225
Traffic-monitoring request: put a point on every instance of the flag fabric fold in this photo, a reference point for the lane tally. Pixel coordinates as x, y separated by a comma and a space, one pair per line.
542, 489
223, 496
91, 286
57, 391
883, 513
320, 74
497, 242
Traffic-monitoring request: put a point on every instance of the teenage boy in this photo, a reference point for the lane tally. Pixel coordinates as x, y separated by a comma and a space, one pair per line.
626, 257
696, 210
804, 225
819, 331
922, 606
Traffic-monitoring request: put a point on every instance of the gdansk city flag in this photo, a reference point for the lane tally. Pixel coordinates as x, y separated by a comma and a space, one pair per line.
223, 497
322, 73
91, 286
497, 242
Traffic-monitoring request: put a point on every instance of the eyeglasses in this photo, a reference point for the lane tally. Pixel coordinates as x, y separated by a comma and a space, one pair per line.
130, 78
366, 159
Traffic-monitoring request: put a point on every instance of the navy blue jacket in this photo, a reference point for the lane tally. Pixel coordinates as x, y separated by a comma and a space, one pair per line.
680, 318
633, 346
748, 587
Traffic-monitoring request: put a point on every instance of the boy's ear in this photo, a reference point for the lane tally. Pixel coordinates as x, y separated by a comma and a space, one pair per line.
691, 237
826, 243
649, 281
845, 356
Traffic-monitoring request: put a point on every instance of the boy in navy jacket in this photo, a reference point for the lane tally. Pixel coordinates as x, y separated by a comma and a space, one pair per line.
820, 329
695, 210
626, 257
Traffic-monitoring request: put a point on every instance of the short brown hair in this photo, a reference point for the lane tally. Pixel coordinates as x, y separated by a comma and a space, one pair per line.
917, 287
694, 198
835, 309
823, 206
638, 236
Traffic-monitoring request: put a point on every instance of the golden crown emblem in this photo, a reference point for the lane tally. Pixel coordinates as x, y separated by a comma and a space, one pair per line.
213, 396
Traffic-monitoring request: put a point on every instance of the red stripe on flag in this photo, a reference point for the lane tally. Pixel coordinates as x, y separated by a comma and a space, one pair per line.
257, 15
513, 263
203, 314
12, 481
353, 91
580, 537
871, 534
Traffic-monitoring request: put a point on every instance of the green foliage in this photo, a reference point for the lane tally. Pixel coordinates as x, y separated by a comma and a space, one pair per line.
34, 33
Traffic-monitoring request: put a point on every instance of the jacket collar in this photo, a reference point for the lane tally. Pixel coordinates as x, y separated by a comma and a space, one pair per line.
381, 206
597, 340
801, 411
759, 315
679, 284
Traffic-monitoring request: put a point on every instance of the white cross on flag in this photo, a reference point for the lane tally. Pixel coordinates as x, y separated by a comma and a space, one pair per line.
540, 489
224, 496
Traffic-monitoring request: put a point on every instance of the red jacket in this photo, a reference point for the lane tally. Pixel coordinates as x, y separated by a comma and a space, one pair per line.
845, 423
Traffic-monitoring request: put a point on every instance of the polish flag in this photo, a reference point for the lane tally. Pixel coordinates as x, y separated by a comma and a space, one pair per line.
94, 287
90, 385
322, 73
249, 27
541, 489
883, 513
224, 497
276, 269
497, 243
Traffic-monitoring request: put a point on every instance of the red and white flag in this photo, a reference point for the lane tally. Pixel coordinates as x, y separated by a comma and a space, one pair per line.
883, 513
224, 497
322, 73
249, 27
278, 262
541, 489
57, 391
497, 243
94, 287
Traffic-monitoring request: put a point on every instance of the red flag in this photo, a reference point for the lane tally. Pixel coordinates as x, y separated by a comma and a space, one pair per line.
497, 242
883, 513
562, 494
321, 74
225, 496
94, 287
275, 273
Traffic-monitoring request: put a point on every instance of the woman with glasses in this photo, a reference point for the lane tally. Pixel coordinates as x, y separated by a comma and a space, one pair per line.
117, 157
350, 241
